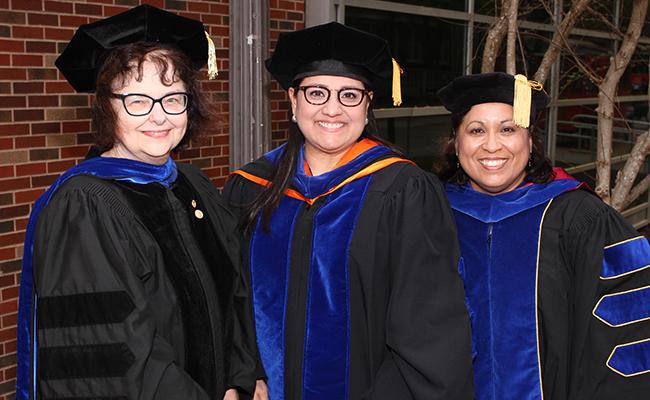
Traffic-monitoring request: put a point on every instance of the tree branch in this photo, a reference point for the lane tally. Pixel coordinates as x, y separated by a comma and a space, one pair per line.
559, 39
494, 39
607, 91
523, 55
628, 173
511, 43
610, 27
640, 188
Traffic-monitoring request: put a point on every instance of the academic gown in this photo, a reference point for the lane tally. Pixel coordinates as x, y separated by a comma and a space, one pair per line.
558, 288
355, 287
138, 291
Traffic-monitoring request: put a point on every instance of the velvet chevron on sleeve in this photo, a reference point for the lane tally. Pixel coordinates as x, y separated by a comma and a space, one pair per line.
597, 332
137, 286
557, 286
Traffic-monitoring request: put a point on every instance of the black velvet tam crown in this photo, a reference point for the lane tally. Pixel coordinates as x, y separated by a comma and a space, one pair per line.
464, 92
332, 49
84, 56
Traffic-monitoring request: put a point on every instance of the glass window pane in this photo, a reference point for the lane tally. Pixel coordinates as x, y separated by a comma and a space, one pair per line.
592, 54
458, 5
422, 138
529, 10
429, 50
635, 79
598, 15
487, 7
534, 45
626, 11
536, 11
576, 135
577, 130
636, 116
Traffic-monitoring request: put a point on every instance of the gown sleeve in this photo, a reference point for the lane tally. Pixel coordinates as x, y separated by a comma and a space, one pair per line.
427, 330
97, 335
610, 260
236, 198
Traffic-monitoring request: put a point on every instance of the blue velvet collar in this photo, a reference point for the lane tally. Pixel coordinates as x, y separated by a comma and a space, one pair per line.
313, 186
487, 208
326, 346
498, 237
103, 167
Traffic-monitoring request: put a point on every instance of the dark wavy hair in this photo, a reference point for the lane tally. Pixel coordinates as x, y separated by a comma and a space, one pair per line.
538, 170
269, 198
124, 63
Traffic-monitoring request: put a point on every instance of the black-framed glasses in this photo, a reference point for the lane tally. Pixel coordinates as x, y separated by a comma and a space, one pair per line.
138, 104
319, 95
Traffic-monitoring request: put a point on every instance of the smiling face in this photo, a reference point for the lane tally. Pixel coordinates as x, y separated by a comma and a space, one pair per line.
329, 129
492, 150
149, 138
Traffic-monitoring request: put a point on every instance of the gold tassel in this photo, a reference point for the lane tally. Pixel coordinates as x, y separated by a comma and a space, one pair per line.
397, 84
521, 102
212, 58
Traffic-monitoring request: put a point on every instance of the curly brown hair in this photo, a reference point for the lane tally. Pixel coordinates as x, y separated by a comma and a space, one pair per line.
125, 62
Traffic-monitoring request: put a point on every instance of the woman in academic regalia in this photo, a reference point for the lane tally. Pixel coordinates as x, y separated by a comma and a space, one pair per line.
131, 287
558, 283
355, 296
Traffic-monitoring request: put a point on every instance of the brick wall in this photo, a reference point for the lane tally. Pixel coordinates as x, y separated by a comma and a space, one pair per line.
44, 124
285, 16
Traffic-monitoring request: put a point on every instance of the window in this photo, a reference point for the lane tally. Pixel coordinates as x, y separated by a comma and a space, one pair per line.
428, 64
438, 40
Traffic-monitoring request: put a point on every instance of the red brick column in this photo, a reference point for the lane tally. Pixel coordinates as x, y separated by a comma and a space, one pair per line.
45, 125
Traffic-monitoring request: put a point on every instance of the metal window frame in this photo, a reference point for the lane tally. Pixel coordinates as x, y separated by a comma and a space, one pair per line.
338, 7
638, 215
337, 12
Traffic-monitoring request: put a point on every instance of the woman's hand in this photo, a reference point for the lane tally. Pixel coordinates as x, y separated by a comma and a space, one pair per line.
231, 394
261, 391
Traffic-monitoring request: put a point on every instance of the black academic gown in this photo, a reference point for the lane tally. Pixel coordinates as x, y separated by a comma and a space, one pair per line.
558, 288
139, 292
355, 289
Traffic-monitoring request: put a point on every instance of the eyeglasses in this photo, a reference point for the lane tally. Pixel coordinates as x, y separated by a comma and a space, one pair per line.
137, 104
319, 95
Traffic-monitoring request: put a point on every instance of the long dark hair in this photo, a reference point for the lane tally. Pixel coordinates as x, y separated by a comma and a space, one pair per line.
269, 198
538, 170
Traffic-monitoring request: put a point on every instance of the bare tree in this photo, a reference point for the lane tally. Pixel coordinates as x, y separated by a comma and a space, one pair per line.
511, 47
607, 91
494, 38
559, 40
505, 25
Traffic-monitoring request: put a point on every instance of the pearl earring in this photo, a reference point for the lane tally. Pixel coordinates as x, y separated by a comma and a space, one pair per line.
293, 119
366, 121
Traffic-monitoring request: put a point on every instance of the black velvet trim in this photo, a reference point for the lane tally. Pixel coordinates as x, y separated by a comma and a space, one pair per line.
84, 309
91, 361
214, 253
210, 245
153, 207
297, 294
